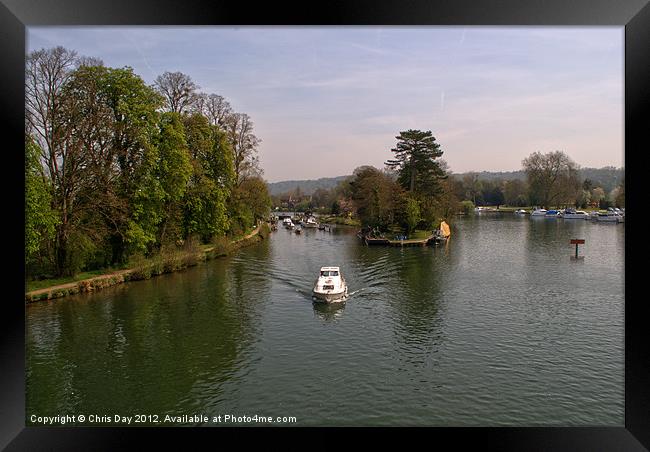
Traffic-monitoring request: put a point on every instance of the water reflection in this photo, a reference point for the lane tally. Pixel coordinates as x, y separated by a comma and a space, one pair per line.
328, 311
495, 328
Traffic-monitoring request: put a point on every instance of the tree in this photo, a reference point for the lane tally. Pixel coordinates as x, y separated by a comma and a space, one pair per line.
597, 195
473, 188
619, 197
411, 214
40, 218
115, 116
205, 210
173, 171
46, 73
243, 141
322, 197
552, 178
178, 90
583, 199
376, 197
251, 202
415, 162
514, 193
217, 110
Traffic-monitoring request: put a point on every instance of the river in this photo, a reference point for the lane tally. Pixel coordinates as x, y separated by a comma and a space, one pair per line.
497, 327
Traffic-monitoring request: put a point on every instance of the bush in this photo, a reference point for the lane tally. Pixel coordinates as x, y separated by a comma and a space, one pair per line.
265, 230
141, 268
222, 246
467, 207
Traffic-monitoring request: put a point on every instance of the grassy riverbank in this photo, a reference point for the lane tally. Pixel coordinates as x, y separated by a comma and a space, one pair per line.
339, 220
167, 261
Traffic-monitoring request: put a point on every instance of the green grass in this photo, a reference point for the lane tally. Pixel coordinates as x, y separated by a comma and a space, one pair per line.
45, 283
417, 235
339, 220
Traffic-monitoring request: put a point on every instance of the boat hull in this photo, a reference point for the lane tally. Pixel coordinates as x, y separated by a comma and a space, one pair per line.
610, 219
330, 296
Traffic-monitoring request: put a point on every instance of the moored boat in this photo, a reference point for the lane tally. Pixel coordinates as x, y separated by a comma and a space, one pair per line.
611, 217
330, 286
310, 222
520, 212
572, 214
538, 213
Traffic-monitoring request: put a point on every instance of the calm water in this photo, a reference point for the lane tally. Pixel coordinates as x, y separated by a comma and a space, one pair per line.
499, 327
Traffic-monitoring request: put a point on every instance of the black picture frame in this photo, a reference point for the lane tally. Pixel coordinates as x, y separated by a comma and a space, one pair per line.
634, 15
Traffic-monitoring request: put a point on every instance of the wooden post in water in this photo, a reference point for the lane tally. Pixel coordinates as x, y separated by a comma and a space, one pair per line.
577, 242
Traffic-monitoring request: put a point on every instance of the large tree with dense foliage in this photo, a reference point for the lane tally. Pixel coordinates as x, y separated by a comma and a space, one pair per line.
514, 193
115, 167
552, 178
114, 115
415, 161
205, 209
40, 218
376, 197
173, 171
250, 202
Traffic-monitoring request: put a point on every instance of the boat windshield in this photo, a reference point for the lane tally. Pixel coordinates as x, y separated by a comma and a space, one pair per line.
329, 273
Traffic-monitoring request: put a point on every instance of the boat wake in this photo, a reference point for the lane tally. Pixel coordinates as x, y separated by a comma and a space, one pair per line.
355, 292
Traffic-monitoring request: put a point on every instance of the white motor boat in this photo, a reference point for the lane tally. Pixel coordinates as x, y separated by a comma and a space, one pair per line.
310, 222
520, 212
330, 287
538, 213
610, 216
571, 214
287, 223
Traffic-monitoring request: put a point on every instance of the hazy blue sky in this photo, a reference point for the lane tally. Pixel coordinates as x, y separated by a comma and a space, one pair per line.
325, 100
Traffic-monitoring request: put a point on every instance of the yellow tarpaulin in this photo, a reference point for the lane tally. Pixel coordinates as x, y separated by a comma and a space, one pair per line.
444, 228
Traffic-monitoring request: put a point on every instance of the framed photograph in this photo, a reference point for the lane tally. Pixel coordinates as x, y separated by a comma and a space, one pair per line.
361, 216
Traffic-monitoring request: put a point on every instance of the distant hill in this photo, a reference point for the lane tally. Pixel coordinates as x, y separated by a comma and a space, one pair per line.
307, 187
607, 177
493, 175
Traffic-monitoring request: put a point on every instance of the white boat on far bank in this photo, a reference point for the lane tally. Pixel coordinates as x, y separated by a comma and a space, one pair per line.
572, 214
609, 217
538, 213
310, 222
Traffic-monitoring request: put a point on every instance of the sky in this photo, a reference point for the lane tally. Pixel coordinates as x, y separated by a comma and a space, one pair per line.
325, 100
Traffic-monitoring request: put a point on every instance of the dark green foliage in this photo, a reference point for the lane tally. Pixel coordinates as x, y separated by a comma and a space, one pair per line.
110, 176
415, 162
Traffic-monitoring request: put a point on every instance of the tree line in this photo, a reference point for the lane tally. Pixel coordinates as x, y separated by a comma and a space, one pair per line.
115, 167
416, 189
552, 180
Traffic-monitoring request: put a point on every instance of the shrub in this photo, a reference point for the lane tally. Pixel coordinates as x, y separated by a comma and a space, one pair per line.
222, 246
265, 230
467, 207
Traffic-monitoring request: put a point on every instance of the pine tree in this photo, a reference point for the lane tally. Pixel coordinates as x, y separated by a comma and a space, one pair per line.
415, 162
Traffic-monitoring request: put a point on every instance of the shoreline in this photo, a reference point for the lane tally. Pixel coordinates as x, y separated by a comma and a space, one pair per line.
136, 274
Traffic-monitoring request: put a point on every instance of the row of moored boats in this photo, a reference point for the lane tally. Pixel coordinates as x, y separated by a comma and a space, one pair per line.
612, 214
308, 222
